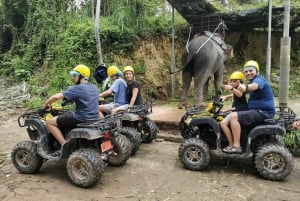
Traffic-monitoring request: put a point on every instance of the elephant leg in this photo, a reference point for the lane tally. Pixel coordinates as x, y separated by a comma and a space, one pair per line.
198, 91
218, 78
186, 83
205, 90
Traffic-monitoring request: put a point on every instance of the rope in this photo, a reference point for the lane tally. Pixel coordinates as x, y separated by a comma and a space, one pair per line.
187, 44
211, 35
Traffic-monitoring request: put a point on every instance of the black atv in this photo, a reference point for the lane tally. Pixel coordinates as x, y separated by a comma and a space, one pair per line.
136, 119
133, 136
263, 143
88, 149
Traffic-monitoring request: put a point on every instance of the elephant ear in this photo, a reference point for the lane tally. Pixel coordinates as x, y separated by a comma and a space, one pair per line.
228, 51
226, 47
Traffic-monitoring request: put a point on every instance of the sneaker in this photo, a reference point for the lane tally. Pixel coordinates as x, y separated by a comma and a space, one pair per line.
234, 150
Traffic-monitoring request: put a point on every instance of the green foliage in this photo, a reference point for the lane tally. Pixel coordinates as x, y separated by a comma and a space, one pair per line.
48, 38
21, 70
114, 40
292, 139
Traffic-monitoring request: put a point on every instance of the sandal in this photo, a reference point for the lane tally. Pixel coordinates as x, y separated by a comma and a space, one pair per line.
234, 150
227, 148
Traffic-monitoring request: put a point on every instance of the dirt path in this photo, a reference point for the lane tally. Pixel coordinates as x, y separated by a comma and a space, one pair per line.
153, 174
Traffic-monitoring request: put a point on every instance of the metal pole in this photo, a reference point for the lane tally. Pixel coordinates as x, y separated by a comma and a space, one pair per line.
173, 55
269, 50
98, 43
285, 59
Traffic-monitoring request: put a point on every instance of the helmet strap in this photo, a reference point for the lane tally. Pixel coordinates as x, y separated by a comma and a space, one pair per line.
79, 79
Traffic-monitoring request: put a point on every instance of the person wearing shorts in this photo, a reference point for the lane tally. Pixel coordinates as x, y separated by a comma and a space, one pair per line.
118, 88
133, 90
260, 104
84, 94
239, 103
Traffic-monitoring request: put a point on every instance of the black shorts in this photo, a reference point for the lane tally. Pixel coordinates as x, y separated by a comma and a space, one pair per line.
249, 117
67, 122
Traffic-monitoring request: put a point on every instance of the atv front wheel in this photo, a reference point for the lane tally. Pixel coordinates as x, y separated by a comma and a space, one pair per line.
134, 136
121, 151
25, 157
149, 131
273, 162
85, 167
194, 154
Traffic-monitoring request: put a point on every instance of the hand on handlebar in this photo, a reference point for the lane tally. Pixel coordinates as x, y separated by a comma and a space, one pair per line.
223, 98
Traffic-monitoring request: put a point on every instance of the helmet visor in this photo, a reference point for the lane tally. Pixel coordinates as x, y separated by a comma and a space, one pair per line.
74, 73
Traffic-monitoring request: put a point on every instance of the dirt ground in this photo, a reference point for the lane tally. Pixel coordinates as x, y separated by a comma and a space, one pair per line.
153, 174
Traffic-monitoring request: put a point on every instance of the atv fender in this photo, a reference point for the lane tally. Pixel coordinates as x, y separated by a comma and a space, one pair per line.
130, 117
86, 133
40, 128
264, 130
206, 120
212, 123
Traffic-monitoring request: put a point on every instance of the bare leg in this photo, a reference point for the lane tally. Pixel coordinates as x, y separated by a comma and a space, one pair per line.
227, 132
54, 130
236, 129
101, 110
115, 110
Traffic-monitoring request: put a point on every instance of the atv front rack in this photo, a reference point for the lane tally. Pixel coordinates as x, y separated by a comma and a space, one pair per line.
195, 110
109, 122
28, 115
41, 114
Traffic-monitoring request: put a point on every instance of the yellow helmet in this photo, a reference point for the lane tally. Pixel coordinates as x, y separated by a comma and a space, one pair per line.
237, 75
82, 70
128, 68
252, 63
112, 70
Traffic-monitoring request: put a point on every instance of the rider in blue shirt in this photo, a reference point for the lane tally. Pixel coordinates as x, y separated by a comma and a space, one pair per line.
118, 88
84, 94
260, 104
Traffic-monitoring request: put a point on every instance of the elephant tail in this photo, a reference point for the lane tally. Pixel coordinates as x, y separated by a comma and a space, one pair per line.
185, 62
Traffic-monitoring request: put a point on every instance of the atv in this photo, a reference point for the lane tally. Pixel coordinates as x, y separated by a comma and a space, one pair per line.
261, 142
286, 117
133, 136
136, 119
88, 148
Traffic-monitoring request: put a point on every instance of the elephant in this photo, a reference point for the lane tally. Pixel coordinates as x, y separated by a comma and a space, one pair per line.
203, 56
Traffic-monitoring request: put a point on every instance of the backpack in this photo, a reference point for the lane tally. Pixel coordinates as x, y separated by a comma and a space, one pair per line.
100, 74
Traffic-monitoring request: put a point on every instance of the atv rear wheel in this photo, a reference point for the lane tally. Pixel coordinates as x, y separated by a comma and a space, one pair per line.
25, 157
85, 167
121, 150
149, 131
273, 161
194, 154
134, 136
